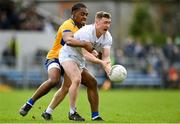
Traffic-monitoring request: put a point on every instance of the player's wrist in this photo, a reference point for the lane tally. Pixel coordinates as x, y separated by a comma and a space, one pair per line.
101, 62
82, 43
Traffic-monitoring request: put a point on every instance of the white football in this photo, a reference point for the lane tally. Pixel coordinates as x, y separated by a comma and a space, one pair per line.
118, 73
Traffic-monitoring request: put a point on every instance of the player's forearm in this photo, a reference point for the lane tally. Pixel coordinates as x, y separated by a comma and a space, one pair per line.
69, 39
107, 59
106, 56
90, 57
93, 59
74, 42
107, 68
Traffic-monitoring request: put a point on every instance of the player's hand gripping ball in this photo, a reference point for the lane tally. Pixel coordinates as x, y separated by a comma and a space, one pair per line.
118, 73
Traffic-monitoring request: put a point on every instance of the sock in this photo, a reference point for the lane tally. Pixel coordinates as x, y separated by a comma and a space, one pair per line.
49, 110
95, 115
30, 102
72, 110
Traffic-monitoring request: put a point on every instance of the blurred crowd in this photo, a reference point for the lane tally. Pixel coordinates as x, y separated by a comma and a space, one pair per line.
163, 61
15, 16
146, 54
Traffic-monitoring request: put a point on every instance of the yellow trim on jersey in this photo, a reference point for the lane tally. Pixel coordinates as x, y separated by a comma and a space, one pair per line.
68, 25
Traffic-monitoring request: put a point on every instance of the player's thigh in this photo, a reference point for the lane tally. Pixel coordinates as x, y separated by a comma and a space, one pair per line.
88, 79
54, 74
54, 69
71, 69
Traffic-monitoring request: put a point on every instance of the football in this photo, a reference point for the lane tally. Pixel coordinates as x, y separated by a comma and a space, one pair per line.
118, 73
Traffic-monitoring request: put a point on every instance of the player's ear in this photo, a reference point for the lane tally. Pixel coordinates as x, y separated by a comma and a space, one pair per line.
96, 20
73, 14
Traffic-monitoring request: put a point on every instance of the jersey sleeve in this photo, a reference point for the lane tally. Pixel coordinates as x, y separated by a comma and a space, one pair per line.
108, 42
67, 27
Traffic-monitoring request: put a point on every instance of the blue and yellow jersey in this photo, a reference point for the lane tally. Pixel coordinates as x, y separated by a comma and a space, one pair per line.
67, 26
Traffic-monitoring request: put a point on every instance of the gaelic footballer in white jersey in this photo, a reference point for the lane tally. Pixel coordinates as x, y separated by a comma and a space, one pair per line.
85, 34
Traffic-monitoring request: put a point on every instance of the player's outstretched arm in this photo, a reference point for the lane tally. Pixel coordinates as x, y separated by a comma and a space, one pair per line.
90, 57
106, 57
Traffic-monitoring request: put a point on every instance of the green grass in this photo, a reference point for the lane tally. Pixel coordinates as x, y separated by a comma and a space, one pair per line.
116, 106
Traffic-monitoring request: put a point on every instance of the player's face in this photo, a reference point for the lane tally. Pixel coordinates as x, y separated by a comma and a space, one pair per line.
80, 16
103, 24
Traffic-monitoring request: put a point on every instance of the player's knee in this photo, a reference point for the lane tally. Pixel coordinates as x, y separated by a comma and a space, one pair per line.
77, 81
66, 90
94, 84
54, 80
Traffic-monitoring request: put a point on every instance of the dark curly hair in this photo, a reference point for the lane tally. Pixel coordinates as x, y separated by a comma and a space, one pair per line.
77, 6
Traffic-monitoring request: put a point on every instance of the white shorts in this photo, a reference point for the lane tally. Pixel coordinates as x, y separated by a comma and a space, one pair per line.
78, 60
52, 63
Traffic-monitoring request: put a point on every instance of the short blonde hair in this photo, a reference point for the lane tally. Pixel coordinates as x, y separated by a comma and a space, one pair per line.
102, 14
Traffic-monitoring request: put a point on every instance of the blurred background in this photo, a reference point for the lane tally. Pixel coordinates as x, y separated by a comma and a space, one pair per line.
146, 40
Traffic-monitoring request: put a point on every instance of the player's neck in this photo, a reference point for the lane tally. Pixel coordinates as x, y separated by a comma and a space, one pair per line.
98, 34
79, 25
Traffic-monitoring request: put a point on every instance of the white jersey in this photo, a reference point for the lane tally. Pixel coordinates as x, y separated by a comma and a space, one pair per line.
86, 33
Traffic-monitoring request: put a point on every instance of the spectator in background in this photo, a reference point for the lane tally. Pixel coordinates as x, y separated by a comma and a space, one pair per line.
129, 47
30, 20
119, 57
4, 22
139, 50
9, 55
168, 50
8, 15
19, 18
176, 54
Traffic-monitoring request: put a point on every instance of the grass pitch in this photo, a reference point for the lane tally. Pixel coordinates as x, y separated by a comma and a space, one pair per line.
116, 106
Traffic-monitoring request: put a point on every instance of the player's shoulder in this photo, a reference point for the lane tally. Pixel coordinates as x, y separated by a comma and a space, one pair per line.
87, 28
108, 35
68, 22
